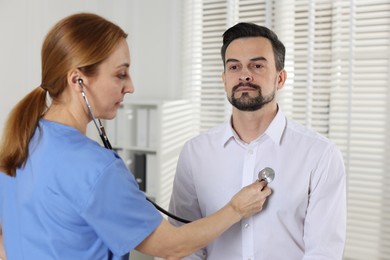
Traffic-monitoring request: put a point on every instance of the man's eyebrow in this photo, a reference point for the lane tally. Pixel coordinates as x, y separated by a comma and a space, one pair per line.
261, 58
231, 60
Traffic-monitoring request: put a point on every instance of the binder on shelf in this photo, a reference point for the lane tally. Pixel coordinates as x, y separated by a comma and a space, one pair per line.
140, 170
111, 131
142, 127
130, 126
125, 127
152, 128
152, 179
120, 126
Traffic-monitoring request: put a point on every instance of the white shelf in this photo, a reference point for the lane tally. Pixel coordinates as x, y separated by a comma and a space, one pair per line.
137, 148
162, 127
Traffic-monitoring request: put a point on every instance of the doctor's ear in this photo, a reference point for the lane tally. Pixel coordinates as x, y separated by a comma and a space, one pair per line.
75, 80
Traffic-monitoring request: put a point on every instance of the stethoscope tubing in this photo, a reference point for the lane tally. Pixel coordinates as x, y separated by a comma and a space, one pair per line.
107, 144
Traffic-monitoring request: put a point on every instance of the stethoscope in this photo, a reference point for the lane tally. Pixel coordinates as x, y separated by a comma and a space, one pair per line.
107, 144
267, 174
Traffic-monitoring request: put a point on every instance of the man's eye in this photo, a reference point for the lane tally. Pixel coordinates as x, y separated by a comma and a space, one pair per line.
258, 66
233, 67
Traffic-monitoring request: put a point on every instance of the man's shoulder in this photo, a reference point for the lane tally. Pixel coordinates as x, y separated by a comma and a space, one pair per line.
209, 137
297, 129
307, 140
217, 130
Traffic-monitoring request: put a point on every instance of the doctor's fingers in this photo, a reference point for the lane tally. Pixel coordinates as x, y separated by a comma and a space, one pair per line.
260, 192
264, 188
263, 192
250, 199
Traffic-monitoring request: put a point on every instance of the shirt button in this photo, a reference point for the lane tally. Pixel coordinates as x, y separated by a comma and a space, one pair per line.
246, 225
250, 151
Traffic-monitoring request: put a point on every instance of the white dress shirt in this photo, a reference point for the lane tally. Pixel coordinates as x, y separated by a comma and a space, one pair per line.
304, 217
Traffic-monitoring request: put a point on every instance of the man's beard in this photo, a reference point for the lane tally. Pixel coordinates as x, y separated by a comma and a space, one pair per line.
247, 103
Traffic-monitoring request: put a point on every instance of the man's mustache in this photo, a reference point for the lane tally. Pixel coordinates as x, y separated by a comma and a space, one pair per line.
246, 84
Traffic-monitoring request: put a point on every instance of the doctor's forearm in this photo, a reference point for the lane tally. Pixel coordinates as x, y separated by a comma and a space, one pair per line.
172, 242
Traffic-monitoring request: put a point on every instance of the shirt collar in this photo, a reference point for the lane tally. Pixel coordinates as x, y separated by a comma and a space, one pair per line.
228, 134
274, 131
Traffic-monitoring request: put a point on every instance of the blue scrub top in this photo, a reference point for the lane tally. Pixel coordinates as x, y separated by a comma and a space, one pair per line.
72, 200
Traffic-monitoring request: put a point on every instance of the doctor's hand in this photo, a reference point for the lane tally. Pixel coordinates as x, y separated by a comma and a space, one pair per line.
250, 199
172, 242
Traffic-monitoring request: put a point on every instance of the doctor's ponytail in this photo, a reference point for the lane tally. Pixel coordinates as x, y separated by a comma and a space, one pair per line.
19, 128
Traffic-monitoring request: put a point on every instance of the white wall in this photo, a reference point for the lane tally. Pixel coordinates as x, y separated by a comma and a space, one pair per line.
154, 39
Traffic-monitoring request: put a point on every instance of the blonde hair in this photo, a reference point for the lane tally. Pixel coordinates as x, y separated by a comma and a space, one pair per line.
80, 41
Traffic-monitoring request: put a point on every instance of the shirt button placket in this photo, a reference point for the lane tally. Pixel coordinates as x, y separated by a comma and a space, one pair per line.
247, 225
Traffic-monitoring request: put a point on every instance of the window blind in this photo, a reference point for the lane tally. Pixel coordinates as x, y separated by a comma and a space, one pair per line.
359, 120
214, 20
192, 57
338, 65
308, 45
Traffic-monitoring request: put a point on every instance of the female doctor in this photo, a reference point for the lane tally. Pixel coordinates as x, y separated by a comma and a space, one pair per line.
62, 195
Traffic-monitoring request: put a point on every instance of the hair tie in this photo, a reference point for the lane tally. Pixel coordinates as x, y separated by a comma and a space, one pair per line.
42, 87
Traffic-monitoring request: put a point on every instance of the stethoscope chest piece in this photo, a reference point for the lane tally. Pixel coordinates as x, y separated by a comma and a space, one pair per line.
267, 174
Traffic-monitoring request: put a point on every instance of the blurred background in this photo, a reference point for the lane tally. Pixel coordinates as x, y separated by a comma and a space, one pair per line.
338, 65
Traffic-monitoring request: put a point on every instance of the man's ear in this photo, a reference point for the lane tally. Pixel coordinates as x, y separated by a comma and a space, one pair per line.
282, 77
224, 79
